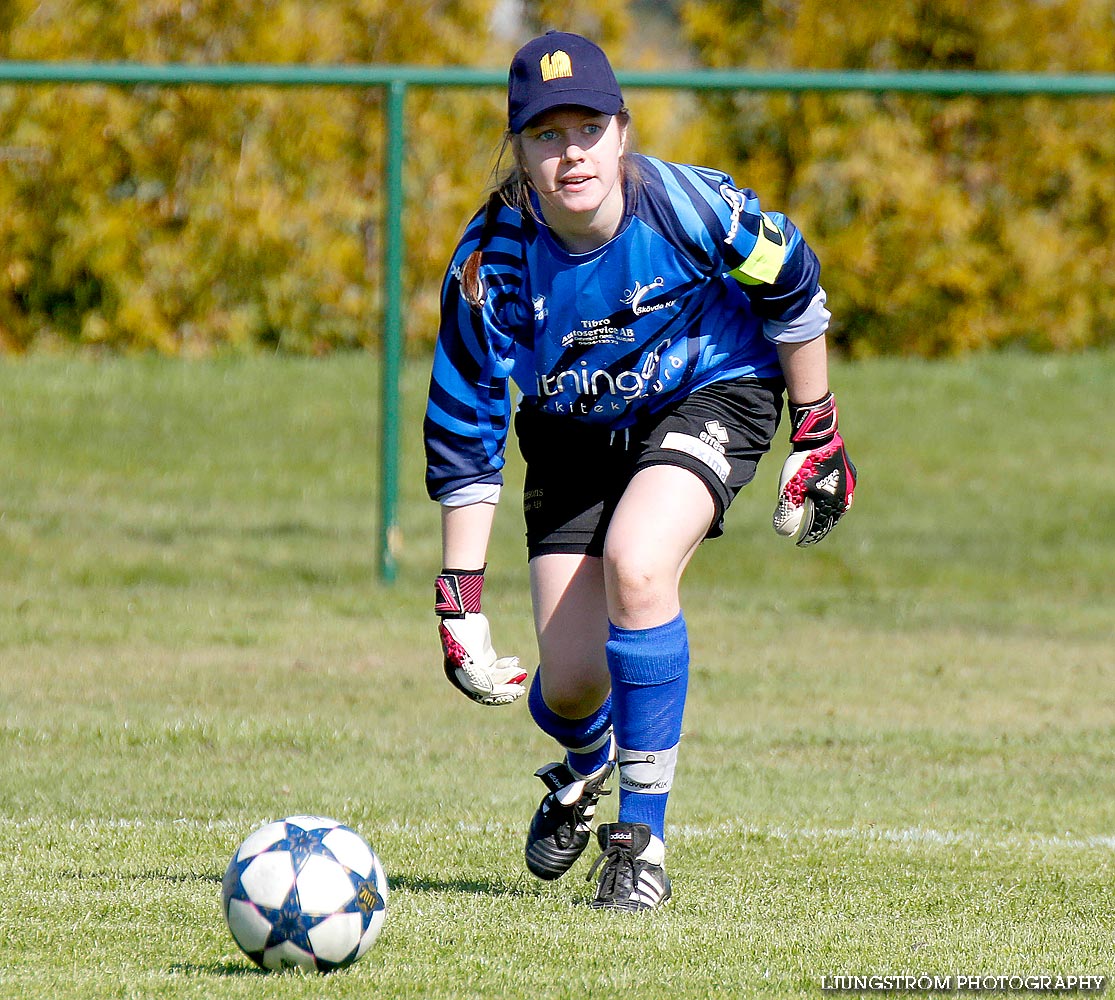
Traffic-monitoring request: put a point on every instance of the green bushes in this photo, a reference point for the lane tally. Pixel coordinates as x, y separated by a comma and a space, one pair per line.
943, 224
197, 220
177, 220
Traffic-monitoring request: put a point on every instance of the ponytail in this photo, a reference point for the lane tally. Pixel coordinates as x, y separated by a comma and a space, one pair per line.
472, 288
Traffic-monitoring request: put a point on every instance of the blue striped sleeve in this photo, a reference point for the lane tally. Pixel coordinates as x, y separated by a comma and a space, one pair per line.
468, 410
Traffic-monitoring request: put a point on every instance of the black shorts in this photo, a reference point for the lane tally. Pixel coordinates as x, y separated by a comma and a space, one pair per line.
577, 472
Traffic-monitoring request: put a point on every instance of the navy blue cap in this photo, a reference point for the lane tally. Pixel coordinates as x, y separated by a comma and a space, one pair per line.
555, 69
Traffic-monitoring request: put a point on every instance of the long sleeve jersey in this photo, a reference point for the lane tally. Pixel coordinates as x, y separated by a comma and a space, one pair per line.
697, 286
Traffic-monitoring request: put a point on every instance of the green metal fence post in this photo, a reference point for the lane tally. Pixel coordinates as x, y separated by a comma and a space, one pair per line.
392, 349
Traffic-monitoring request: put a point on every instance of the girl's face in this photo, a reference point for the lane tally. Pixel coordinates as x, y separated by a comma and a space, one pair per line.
572, 157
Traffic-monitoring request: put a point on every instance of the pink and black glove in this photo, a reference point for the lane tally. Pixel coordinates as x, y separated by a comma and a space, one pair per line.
818, 478
466, 641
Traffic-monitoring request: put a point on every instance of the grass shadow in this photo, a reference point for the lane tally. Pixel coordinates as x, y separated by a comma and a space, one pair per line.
91, 874
475, 887
222, 970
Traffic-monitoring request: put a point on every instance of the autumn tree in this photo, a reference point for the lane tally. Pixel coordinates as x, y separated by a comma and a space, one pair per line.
943, 223
188, 218
194, 219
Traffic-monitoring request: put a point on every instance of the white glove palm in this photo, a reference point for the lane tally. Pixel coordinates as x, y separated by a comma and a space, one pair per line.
471, 663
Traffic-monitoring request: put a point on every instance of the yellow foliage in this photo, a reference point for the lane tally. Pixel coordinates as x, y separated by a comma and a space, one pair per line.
197, 219
200, 219
943, 224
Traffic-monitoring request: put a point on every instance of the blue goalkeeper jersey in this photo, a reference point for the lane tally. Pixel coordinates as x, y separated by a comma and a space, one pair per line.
695, 287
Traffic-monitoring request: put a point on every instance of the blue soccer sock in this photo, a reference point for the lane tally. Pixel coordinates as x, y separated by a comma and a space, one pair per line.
650, 677
587, 742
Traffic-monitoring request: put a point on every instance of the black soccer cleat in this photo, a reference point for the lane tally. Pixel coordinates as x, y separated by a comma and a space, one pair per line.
562, 824
632, 876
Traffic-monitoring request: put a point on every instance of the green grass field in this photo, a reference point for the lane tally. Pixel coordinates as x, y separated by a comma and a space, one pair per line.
899, 750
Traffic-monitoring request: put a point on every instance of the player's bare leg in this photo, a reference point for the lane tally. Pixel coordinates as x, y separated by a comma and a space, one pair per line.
663, 516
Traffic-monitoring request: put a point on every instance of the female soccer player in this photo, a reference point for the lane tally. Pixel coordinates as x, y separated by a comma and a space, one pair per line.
652, 316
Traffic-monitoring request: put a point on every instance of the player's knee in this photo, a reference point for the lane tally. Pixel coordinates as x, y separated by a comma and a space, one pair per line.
638, 583
575, 700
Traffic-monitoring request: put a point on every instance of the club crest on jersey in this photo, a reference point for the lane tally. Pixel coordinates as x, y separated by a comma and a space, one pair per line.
634, 296
540, 310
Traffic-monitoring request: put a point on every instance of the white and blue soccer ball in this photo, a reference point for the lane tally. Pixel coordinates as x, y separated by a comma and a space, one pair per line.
304, 892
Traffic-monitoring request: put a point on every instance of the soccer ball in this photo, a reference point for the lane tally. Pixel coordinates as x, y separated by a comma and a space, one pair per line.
305, 892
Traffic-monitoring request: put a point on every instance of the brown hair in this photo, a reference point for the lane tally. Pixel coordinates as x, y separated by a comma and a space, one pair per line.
513, 190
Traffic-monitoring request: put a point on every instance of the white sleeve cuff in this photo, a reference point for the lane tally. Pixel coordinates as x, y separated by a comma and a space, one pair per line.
475, 493
808, 326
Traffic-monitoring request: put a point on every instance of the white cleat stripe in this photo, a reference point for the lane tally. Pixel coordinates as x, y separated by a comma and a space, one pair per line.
649, 890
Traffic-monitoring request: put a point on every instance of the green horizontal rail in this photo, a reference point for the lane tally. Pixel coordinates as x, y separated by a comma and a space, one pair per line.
276, 75
396, 79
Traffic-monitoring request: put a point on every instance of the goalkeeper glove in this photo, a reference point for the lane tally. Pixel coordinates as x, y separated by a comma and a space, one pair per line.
818, 478
466, 642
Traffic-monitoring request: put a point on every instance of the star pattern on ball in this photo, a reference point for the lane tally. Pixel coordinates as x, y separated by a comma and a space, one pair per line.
290, 924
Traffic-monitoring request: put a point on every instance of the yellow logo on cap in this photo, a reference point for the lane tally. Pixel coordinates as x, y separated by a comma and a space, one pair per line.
555, 64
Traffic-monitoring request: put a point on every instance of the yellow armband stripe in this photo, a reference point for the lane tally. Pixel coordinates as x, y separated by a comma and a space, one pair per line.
766, 258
